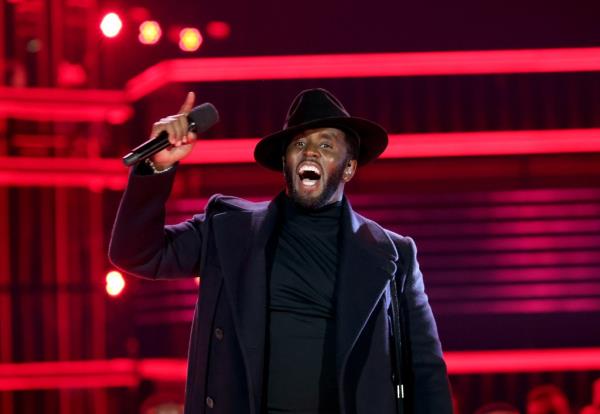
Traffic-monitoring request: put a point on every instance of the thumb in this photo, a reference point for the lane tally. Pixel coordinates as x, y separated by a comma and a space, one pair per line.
188, 104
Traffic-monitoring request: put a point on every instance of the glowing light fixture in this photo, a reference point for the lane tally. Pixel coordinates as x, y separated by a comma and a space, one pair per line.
114, 283
218, 29
364, 65
190, 39
111, 25
150, 32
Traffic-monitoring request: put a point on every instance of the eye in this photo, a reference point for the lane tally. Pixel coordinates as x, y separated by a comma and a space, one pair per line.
299, 144
326, 145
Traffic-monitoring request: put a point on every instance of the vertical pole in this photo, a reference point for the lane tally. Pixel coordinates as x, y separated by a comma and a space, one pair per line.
98, 297
61, 229
91, 59
6, 321
3, 27
56, 25
97, 254
6, 330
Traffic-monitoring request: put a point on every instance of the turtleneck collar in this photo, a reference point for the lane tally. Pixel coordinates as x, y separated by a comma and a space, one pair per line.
293, 211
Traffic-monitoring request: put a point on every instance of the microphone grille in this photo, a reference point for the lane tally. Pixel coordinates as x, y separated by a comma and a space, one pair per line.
204, 116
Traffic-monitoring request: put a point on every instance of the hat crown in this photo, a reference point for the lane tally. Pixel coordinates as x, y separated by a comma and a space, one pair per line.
318, 108
314, 104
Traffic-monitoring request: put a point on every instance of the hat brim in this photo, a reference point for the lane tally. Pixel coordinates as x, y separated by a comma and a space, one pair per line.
373, 140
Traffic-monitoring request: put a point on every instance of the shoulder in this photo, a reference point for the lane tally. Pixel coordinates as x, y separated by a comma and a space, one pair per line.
220, 203
403, 242
405, 245
407, 248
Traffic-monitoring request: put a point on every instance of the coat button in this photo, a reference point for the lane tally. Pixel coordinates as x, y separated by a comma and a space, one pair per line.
219, 334
210, 402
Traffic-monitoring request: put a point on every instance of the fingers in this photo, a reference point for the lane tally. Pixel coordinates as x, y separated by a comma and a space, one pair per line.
181, 126
176, 126
171, 155
188, 104
190, 137
170, 128
157, 128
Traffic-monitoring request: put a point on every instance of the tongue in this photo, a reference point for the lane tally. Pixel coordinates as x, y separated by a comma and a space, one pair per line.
309, 182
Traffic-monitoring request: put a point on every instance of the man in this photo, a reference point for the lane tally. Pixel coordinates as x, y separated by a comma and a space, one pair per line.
294, 314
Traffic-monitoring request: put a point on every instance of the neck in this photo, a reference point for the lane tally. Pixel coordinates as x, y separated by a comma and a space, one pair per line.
300, 207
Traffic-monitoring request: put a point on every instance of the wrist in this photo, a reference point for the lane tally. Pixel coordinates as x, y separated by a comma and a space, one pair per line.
157, 167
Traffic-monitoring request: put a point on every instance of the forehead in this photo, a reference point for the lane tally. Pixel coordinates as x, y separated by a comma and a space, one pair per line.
321, 132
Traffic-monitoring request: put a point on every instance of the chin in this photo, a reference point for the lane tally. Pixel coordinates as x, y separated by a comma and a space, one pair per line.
308, 202
313, 200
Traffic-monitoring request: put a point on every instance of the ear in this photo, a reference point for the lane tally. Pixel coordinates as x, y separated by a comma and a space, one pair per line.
349, 170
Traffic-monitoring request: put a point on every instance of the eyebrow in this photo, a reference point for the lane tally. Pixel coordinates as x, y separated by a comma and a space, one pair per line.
322, 134
327, 134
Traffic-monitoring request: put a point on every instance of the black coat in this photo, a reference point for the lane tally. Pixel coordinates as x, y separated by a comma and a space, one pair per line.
226, 246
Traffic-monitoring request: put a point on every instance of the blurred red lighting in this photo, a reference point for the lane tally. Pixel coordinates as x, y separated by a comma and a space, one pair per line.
218, 30
364, 65
71, 74
111, 24
190, 39
129, 372
138, 14
114, 283
150, 32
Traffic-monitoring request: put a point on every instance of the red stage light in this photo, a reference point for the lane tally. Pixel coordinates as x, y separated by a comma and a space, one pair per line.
114, 283
150, 32
129, 372
190, 39
111, 24
69, 105
218, 30
71, 74
138, 14
364, 65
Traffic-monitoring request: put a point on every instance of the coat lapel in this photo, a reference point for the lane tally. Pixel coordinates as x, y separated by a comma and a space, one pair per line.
241, 239
367, 263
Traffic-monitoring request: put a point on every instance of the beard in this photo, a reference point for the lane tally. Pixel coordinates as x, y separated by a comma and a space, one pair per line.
312, 203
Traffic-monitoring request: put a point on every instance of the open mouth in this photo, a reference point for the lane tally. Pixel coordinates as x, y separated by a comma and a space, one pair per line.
309, 174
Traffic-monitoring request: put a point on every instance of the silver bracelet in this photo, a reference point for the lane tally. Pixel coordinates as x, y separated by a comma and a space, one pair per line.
150, 164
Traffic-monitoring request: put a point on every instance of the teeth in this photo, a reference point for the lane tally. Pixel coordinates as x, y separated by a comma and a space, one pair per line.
309, 168
312, 168
309, 183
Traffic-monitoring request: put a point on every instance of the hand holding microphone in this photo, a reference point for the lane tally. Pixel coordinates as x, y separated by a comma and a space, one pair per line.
173, 137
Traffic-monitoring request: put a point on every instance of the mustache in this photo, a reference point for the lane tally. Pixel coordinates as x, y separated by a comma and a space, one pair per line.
312, 159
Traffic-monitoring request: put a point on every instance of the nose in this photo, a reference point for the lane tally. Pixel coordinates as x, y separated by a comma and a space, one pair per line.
311, 150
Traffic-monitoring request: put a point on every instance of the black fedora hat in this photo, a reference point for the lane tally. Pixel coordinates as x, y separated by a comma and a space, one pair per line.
318, 108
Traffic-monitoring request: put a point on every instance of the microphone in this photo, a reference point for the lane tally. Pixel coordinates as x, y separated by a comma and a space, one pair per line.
200, 119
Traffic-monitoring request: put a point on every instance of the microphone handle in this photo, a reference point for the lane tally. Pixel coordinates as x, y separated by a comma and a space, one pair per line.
150, 147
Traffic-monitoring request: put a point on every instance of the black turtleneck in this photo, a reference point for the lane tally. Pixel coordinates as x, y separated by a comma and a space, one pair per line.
301, 359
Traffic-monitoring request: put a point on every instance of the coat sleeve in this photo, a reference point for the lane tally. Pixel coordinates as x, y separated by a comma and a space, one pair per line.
431, 389
141, 244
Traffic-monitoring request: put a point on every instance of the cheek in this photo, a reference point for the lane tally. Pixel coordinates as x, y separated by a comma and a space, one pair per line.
333, 166
291, 155
289, 164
